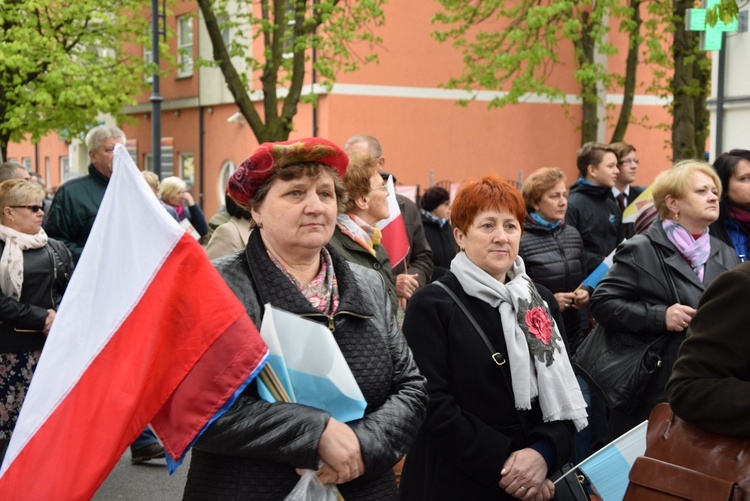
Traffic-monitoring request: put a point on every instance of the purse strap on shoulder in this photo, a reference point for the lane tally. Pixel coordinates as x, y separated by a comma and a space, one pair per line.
497, 357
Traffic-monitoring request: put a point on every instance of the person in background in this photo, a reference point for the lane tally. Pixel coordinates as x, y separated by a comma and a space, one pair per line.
494, 429
13, 170
71, 218
635, 297
733, 225
231, 236
153, 181
77, 202
553, 254
174, 193
436, 209
591, 208
34, 272
710, 382
356, 238
416, 269
293, 190
624, 192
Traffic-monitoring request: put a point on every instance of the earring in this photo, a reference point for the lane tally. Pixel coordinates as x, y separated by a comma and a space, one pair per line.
260, 226
12, 220
677, 216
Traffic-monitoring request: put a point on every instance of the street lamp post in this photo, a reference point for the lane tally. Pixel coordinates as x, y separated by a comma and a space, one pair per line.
156, 98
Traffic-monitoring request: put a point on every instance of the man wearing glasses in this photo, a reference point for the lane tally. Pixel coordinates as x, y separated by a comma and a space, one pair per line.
624, 192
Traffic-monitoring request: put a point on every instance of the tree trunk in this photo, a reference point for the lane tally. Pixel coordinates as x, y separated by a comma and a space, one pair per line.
631, 69
586, 46
689, 88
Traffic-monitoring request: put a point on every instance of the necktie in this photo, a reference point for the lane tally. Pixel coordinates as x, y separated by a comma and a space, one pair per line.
622, 201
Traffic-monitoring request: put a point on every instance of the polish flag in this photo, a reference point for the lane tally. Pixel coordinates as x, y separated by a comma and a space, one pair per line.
148, 332
394, 237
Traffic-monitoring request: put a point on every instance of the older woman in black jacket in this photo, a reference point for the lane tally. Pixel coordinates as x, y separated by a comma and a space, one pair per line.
293, 190
636, 299
497, 426
552, 250
34, 272
436, 209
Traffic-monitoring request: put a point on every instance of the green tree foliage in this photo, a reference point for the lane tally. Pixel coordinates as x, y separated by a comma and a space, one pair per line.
287, 30
519, 50
61, 63
513, 45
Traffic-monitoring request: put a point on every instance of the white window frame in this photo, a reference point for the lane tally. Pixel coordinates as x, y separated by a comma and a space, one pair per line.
185, 47
226, 170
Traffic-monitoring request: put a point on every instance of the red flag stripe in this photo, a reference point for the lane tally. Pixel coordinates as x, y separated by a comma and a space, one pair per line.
113, 401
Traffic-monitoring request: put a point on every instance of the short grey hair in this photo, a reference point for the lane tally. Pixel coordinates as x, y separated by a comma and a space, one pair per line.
8, 170
373, 145
99, 133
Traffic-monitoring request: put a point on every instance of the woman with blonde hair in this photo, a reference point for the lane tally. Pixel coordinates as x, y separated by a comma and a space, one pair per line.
174, 193
34, 272
657, 277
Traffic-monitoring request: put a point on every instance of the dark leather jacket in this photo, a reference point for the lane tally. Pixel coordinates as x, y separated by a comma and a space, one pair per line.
634, 296
46, 272
251, 451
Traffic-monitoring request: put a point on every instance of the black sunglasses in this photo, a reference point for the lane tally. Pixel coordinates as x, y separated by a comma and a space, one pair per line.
32, 208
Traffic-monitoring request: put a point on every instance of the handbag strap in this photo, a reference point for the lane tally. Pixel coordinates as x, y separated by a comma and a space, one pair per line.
670, 280
497, 357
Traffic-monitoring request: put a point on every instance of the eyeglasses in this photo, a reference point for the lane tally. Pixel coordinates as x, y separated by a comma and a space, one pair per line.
630, 161
383, 187
32, 208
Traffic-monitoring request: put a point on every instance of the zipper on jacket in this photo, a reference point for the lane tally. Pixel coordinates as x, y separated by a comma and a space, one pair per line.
331, 325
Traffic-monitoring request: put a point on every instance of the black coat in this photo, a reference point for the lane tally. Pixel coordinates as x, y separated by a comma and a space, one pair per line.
443, 246
251, 452
594, 213
554, 258
634, 296
472, 424
46, 272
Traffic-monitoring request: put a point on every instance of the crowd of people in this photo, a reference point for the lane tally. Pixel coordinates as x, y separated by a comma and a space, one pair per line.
463, 348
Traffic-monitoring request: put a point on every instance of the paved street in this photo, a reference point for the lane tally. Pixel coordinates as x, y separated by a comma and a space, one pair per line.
144, 482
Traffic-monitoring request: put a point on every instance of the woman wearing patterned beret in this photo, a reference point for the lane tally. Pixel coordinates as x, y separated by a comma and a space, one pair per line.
256, 449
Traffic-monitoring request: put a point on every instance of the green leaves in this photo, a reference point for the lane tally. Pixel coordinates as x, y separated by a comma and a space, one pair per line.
63, 63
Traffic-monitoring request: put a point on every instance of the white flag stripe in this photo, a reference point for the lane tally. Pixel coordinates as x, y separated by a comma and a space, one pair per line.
118, 281
393, 208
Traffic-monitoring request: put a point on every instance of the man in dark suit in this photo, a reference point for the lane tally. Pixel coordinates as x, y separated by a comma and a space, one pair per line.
624, 192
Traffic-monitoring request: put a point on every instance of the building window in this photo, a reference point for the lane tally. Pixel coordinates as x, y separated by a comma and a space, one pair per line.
26, 162
64, 169
187, 168
148, 58
185, 46
227, 169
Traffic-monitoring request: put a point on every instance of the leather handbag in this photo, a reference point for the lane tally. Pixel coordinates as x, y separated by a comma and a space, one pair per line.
618, 365
685, 462
571, 488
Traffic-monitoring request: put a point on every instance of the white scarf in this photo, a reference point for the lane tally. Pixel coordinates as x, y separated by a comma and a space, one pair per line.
11, 261
530, 335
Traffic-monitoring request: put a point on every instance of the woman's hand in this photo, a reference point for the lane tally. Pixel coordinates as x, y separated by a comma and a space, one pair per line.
48, 321
524, 475
341, 455
187, 198
565, 299
678, 316
582, 299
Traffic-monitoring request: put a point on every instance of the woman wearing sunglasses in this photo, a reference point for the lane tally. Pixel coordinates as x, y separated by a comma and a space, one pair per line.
34, 271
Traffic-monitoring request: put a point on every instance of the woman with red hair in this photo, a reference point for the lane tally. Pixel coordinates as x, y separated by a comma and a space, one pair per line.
504, 401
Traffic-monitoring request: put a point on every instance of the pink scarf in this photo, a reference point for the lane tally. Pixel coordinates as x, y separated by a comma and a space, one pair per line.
695, 251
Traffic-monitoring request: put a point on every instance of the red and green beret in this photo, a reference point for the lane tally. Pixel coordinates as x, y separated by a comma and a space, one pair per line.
258, 167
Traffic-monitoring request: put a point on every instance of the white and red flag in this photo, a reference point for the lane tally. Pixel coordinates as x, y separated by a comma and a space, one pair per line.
393, 230
147, 332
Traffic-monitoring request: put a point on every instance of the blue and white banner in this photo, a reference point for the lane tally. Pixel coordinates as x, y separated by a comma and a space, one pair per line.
310, 365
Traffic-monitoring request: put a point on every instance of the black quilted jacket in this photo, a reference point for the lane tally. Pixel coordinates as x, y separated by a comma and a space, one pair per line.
252, 451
